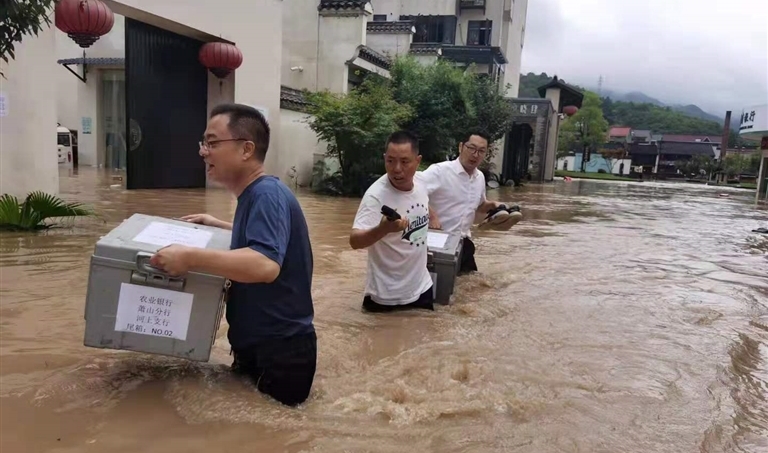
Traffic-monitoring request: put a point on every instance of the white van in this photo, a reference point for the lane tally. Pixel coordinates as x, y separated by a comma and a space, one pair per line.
64, 138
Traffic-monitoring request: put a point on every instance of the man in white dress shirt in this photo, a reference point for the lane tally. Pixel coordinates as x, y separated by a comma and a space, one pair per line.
397, 276
456, 192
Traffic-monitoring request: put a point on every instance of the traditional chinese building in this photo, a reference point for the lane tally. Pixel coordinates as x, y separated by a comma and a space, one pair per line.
130, 79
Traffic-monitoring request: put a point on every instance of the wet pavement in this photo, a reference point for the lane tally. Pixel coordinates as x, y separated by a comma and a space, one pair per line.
618, 317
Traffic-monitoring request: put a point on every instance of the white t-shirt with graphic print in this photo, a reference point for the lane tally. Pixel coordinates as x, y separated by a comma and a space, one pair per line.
397, 264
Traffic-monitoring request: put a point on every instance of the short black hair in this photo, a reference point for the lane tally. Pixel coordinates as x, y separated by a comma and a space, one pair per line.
403, 137
480, 134
245, 122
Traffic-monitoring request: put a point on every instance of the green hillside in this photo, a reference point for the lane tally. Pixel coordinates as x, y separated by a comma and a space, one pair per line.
659, 119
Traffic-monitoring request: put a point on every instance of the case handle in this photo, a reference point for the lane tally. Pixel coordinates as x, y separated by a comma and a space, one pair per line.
142, 264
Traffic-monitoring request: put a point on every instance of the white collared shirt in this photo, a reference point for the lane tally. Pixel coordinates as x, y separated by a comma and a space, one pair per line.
454, 194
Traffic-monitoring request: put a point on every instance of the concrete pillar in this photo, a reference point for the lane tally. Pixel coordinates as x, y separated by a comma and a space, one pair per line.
88, 109
28, 153
553, 94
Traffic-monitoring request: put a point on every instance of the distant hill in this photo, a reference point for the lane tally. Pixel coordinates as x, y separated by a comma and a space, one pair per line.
640, 111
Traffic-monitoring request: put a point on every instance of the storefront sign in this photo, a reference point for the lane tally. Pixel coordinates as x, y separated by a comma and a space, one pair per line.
528, 109
754, 119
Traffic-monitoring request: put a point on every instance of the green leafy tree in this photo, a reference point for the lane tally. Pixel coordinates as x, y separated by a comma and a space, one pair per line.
356, 126
586, 130
735, 164
448, 103
19, 19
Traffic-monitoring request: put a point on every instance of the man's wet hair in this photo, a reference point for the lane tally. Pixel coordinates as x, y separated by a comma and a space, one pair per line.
246, 123
403, 137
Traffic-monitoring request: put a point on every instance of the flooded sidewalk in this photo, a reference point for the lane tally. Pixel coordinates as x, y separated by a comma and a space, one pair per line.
617, 317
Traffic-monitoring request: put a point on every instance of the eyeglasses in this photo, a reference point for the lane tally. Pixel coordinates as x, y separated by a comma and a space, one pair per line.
209, 144
476, 151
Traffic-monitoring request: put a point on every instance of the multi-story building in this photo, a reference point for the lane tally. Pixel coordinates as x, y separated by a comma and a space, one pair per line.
327, 43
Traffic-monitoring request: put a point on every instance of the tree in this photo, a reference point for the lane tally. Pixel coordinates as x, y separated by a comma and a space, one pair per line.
587, 129
356, 126
448, 103
20, 18
735, 164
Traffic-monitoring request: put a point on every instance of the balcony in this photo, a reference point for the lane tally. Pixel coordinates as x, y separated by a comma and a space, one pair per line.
472, 4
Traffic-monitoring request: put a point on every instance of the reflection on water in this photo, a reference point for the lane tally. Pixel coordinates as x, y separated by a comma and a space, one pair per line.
619, 317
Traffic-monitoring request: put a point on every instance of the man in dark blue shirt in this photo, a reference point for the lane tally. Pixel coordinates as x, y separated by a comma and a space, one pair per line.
269, 307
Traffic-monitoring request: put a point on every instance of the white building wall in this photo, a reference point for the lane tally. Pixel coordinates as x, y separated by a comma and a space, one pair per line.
390, 44
339, 37
513, 49
425, 7
28, 149
300, 143
300, 44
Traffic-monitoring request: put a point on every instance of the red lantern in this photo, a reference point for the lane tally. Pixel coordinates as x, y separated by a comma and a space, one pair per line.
570, 110
220, 58
85, 21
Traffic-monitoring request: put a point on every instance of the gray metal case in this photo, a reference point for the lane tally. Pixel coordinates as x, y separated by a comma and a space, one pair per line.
118, 259
443, 264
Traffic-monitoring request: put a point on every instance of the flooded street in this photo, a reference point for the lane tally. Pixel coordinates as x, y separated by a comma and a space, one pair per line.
617, 317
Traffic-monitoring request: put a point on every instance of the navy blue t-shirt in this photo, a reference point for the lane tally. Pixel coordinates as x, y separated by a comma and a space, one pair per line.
269, 220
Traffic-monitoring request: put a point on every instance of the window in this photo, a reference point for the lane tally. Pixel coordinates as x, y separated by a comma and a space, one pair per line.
379, 17
433, 29
63, 139
479, 33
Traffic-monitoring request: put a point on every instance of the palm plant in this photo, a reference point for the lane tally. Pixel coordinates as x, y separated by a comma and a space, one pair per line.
36, 211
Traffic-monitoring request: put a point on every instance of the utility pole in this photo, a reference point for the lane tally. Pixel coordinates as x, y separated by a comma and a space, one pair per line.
724, 143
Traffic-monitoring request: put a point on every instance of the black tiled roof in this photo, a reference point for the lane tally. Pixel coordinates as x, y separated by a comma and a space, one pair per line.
94, 61
426, 48
687, 149
293, 99
371, 56
637, 149
403, 26
341, 4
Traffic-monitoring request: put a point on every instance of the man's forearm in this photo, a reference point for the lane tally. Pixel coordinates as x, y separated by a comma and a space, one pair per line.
486, 206
360, 239
243, 265
224, 225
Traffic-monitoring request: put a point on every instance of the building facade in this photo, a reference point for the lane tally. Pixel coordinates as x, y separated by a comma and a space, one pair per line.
328, 43
52, 81
287, 47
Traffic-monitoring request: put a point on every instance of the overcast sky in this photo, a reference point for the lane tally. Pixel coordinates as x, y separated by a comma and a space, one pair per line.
712, 53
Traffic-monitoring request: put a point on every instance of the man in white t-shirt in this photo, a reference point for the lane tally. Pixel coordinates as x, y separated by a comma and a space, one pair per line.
397, 276
456, 191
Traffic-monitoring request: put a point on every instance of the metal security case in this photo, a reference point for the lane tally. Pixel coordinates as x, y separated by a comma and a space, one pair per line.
443, 264
133, 306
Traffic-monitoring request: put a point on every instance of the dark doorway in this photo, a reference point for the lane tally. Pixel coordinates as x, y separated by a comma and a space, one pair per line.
166, 91
517, 153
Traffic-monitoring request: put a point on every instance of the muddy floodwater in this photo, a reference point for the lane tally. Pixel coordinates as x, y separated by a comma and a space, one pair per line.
617, 317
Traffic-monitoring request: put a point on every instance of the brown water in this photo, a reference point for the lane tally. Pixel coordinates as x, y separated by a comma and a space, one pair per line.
617, 317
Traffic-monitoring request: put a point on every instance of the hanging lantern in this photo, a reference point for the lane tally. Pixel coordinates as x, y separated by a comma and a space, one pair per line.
220, 58
85, 21
570, 110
